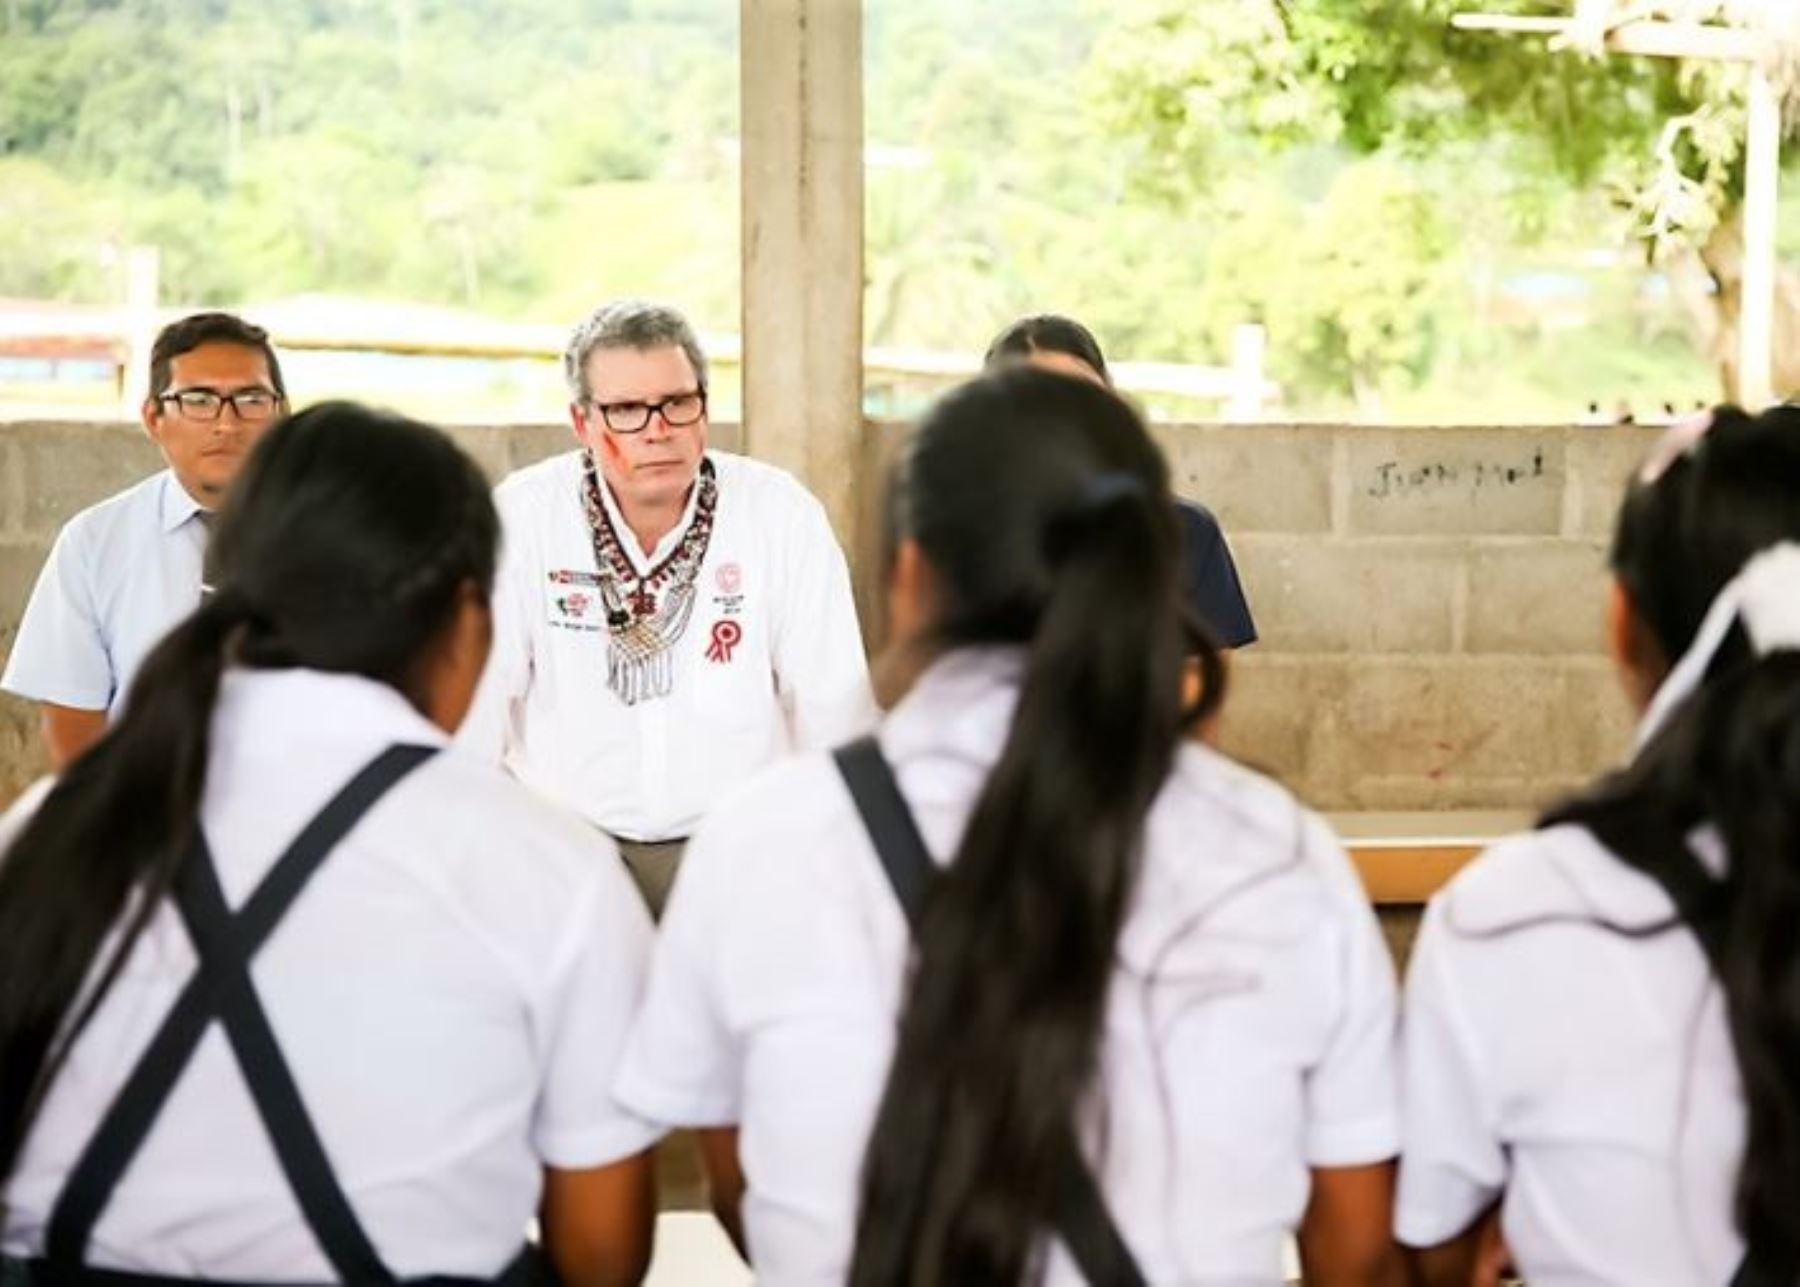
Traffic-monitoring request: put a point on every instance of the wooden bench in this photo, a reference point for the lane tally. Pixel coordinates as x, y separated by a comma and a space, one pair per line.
1405, 858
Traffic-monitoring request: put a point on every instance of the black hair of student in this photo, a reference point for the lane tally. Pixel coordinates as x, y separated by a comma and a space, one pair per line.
1730, 756
1043, 510
1048, 333
189, 333
345, 546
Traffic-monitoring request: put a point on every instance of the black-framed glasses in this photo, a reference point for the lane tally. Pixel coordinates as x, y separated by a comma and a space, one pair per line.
678, 412
208, 404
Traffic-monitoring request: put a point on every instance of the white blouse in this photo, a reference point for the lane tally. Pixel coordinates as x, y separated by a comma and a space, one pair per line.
451, 990
1564, 1043
1249, 1035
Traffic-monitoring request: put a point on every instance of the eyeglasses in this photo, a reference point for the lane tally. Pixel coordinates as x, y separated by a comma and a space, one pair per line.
209, 404
678, 412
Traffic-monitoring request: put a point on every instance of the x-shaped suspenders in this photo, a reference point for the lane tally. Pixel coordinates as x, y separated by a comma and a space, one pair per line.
1082, 1220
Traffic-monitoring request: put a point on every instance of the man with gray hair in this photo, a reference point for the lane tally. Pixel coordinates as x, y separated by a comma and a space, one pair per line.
668, 618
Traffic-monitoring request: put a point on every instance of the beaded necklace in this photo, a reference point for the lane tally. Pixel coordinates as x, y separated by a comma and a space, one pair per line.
646, 614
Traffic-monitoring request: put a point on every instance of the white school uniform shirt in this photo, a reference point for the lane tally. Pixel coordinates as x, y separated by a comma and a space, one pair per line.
451, 991
119, 576
790, 672
1587, 1072
1249, 1034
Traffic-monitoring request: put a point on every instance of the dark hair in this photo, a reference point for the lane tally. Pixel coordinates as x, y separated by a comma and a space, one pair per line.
1729, 757
1043, 508
189, 333
630, 324
1048, 333
343, 546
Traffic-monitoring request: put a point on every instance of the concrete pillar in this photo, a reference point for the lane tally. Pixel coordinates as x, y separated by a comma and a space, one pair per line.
1248, 345
143, 276
803, 243
1762, 169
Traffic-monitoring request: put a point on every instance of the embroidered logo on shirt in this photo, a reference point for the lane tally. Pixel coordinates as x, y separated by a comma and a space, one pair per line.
728, 581
571, 602
726, 635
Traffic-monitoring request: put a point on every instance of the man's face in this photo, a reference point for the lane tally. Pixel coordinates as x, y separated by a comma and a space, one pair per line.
656, 464
204, 452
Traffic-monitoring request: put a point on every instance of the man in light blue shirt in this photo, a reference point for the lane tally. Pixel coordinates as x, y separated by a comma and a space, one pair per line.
124, 571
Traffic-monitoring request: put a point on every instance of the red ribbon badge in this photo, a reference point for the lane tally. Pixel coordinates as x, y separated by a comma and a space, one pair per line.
726, 635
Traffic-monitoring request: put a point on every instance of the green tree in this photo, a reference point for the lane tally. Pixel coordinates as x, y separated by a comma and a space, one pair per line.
1201, 86
53, 236
1351, 289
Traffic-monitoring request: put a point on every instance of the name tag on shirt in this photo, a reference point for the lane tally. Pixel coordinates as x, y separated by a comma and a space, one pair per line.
572, 602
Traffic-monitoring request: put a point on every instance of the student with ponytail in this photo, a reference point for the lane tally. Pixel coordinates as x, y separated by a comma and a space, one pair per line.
1603, 1016
1030, 987
289, 992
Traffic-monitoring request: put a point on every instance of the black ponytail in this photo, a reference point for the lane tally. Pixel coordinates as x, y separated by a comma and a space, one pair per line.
115, 824
1044, 509
1729, 757
343, 547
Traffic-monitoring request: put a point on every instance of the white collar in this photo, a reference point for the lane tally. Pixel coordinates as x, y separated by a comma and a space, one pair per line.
253, 703
1563, 873
962, 705
174, 505
628, 540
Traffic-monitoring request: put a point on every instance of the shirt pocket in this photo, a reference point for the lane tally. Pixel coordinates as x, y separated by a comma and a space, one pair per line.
733, 682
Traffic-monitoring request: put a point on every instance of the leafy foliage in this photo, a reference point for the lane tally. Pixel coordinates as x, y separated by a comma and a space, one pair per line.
1206, 91
1351, 174
386, 145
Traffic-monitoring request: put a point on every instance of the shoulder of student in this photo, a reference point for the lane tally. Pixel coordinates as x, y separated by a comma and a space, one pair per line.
1552, 873
796, 798
1219, 834
503, 855
1226, 838
1211, 791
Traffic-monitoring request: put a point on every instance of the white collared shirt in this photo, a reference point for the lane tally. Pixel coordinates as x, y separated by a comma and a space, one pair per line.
1249, 1036
119, 576
771, 659
1586, 1071
451, 991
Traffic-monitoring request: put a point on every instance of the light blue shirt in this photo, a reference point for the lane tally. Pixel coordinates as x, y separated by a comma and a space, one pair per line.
119, 576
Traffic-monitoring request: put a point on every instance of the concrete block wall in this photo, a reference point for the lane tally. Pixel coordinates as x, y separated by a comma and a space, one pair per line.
1429, 599
1430, 602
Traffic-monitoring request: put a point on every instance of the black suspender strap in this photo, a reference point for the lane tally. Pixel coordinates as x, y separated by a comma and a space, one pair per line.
221, 988
530, 1268
889, 822
1086, 1227
1699, 900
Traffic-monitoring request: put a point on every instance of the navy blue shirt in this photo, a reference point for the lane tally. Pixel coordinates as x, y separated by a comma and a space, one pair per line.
1210, 578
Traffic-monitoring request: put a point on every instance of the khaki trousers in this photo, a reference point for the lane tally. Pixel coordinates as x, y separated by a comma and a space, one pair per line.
652, 864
